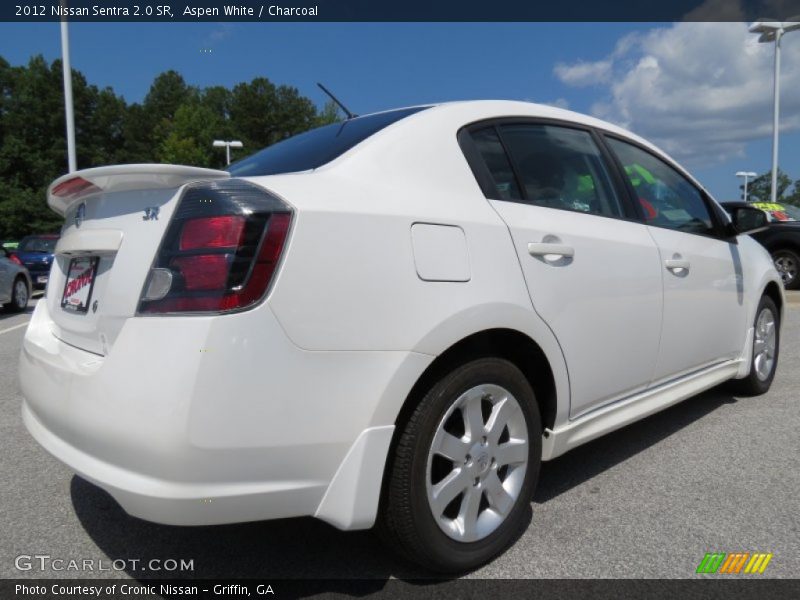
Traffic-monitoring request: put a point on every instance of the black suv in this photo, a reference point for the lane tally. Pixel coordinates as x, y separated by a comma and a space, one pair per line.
782, 239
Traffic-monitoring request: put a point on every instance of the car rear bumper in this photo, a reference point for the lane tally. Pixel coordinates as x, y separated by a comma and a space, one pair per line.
207, 420
180, 503
39, 275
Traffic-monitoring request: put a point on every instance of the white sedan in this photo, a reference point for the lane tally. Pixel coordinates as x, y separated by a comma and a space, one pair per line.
390, 320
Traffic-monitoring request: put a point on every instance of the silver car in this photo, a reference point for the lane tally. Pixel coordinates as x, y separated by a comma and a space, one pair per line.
15, 284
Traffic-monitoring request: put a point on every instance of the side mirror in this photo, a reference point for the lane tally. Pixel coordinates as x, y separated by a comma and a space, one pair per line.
749, 219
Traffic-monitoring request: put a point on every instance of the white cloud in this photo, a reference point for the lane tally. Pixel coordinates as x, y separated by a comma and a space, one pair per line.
558, 102
584, 73
701, 91
221, 32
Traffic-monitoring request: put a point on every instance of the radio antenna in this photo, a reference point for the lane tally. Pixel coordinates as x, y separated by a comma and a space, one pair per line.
349, 114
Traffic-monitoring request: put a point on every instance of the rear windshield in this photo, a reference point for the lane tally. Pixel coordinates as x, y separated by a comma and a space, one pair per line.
317, 147
37, 244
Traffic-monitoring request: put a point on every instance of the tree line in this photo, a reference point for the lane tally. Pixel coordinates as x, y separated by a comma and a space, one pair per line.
175, 123
760, 189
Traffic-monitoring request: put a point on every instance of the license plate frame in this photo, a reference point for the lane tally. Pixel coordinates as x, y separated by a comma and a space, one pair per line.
79, 284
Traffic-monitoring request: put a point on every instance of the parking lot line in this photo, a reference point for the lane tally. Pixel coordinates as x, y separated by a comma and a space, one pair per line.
2, 331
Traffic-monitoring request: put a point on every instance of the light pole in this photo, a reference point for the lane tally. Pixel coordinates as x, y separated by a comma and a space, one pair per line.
773, 31
227, 145
68, 111
747, 175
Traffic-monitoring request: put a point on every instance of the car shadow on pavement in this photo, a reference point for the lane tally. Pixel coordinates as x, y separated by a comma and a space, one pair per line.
7, 315
585, 462
302, 548
312, 550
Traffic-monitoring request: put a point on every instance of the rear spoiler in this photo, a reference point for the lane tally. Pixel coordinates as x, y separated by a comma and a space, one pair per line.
72, 187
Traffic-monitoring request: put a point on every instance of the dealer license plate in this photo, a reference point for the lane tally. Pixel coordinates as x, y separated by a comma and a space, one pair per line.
80, 281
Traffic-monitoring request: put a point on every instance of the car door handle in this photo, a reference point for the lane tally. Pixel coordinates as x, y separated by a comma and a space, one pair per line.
548, 249
677, 264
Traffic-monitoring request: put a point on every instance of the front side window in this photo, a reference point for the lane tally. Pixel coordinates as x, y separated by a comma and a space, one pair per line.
560, 167
667, 198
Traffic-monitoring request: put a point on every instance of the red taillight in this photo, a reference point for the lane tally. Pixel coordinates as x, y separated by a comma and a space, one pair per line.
202, 272
220, 261
15, 259
212, 232
267, 260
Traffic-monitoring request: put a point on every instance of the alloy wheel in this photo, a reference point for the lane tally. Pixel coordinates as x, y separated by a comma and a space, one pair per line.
787, 266
477, 462
20, 294
764, 345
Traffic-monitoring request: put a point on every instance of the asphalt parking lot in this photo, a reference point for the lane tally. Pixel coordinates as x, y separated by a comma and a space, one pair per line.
715, 473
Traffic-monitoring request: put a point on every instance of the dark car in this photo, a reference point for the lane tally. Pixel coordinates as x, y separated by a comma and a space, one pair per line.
782, 239
35, 252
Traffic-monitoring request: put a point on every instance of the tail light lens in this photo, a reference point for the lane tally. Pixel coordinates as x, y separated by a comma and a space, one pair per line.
15, 259
220, 250
212, 232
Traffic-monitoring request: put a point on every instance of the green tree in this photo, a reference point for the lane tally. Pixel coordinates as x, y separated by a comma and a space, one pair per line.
262, 114
23, 211
217, 99
760, 188
191, 135
167, 94
32, 147
137, 133
794, 197
329, 114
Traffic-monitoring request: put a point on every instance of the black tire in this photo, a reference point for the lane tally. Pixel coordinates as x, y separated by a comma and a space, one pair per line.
788, 264
406, 522
17, 304
753, 384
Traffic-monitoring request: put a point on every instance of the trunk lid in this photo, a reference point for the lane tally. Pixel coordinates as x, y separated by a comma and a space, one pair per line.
115, 218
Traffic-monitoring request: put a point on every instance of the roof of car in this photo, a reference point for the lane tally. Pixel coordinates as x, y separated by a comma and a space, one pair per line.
460, 113
477, 110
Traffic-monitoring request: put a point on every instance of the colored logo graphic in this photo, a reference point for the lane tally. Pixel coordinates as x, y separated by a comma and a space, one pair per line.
734, 562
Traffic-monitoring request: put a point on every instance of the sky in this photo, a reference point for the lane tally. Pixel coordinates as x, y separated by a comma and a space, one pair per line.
701, 91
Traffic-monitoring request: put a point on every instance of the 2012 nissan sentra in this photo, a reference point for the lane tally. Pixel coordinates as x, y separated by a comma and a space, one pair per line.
389, 320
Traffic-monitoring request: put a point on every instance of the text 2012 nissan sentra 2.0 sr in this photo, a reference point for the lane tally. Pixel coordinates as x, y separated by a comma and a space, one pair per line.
390, 320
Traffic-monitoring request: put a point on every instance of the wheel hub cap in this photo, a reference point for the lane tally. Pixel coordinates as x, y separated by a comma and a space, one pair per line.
764, 344
482, 463
20, 294
477, 462
787, 268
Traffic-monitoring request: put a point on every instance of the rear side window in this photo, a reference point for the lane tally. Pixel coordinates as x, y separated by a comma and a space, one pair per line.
668, 199
494, 156
560, 167
317, 147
